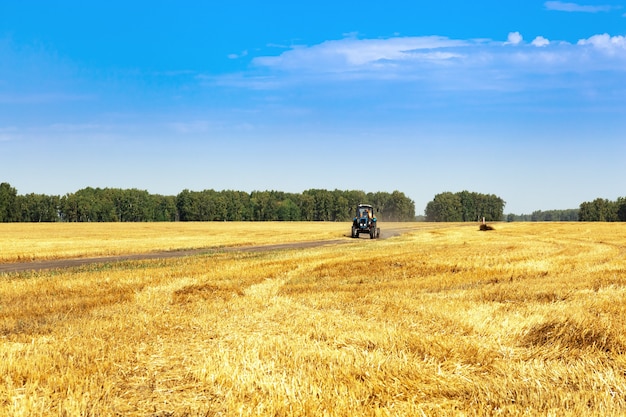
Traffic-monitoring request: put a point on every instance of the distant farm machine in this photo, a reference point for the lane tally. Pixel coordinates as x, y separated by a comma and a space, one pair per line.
365, 222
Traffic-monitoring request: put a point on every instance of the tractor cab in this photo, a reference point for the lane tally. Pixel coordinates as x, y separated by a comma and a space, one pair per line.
364, 212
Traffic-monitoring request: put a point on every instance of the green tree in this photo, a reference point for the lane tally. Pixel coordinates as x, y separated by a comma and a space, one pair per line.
323, 204
599, 210
164, 208
264, 206
445, 207
307, 207
400, 207
465, 206
382, 203
621, 209
39, 208
9, 208
341, 211
288, 211
237, 205
471, 206
185, 205
132, 205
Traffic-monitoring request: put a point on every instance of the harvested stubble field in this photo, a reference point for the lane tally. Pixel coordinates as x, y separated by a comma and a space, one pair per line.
22, 242
527, 319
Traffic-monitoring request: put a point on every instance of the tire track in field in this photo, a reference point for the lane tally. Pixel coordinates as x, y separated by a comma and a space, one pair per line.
77, 262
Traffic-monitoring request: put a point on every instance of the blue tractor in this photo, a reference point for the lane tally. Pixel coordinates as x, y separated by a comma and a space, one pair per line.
365, 222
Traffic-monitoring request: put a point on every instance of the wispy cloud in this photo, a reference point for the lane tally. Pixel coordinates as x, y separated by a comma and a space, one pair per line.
239, 55
562, 6
432, 58
338, 55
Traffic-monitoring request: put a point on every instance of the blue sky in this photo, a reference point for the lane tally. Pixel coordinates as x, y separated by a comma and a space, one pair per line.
525, 100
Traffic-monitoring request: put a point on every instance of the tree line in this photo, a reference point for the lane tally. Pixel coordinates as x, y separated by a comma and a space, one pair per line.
598, 210
133, 205
603, 210
464, 206
468, 206
568, 215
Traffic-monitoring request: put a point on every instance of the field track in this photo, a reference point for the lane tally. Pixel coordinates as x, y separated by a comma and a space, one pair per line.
76, 262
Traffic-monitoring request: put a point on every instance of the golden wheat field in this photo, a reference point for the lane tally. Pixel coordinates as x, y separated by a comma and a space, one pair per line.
527, 319
21, 242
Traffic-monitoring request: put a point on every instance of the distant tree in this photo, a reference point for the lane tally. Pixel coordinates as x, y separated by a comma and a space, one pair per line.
470, 206
39, 208
264, 206
445, 207
394, 206
323, 204
569, 215
400, 208
83, 206
342, 211
307, 207
288, 211
9, 209
599, 210
621, 209
219, 206
185, 205
356, 197
164, 208
381, 202
133, 205
237, 205
465, 206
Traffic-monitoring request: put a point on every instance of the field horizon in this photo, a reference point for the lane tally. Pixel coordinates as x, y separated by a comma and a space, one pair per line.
27, 242
526, 319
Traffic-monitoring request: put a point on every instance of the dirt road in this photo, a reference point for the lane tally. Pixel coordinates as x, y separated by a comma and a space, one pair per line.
75, 262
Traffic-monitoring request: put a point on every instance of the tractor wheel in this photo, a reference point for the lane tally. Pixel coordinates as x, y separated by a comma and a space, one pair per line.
377, 233
373, 234
354, 232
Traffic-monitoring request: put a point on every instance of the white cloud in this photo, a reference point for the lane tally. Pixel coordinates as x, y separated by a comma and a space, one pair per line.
514, 38
351, 52
562, 6
402, 53
606, 43
436, 63
540, 41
